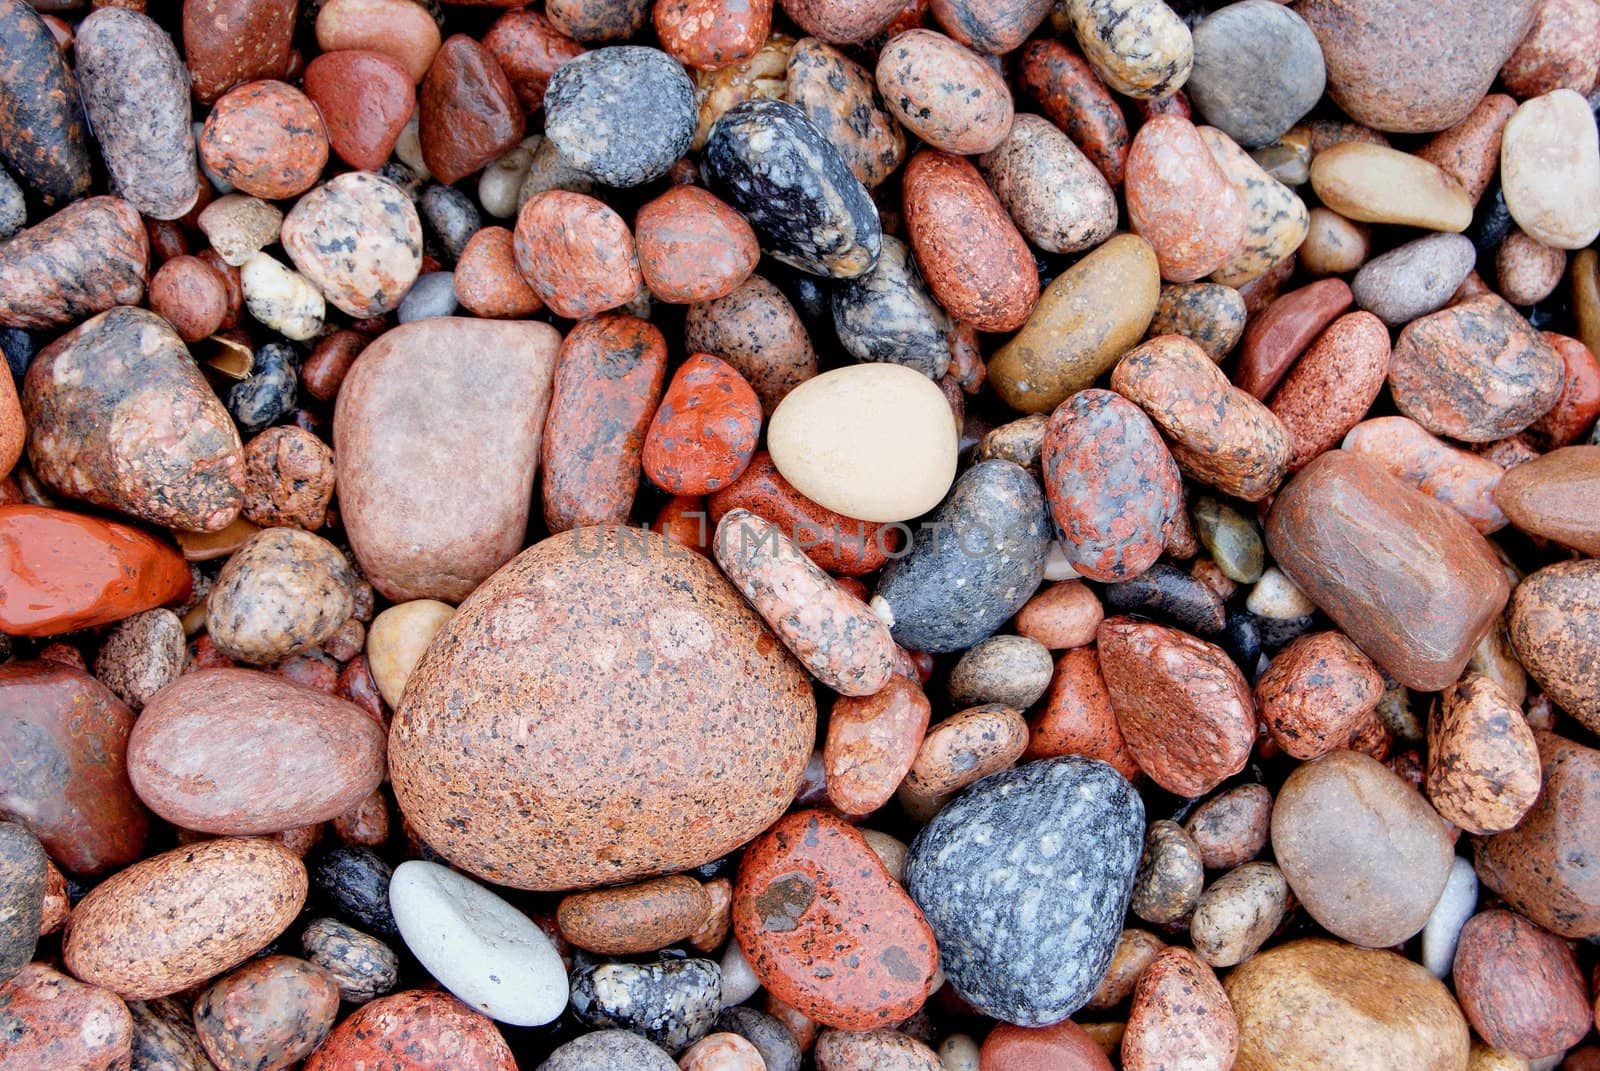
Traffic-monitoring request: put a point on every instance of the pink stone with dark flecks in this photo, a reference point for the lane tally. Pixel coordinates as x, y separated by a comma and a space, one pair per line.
417, 1030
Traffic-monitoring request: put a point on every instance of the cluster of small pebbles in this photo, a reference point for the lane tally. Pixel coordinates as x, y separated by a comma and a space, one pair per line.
859, 535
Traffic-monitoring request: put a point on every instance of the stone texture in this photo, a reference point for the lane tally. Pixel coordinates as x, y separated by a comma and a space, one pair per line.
1066, 1046
1211, 314
366, 98
52, 1021
359, 239
1550, 169
1071, 95
1077, 718
283, 592
265, 139
415, 1030
871, 744
1554, 497
23, 867
468, 115
164, 1038
43, 139
993, 871
226, 43
623, 114
1275, 219
1257, 70
1520, 986
1483, 765
1276, 337
1238, 913
693, 247
1181, 201
705, 430
646, 609
630, 919
1553, 614
577, 254
671, 1002
176, 919
1417, 613
1376, 184
425, 519
1013, 670
141, 655
88, 257
841, 99
1139, 47
944, 93
1464, 481
1558, 52
268, 1013
1413, 279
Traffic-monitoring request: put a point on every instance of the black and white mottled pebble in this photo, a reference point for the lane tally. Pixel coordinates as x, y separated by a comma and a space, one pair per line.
766, 159
362, 966
1414, 279
22, 888
623, 114
164, 1037
136, 97
43, 138
1025, 879
1279, 632
430, 296
614, 1050
889, 315
352, 883
777, 1046
1211, 314
261, 399
1257, 70
1167, 593
973, 564
13, 209
672, 1003
452, 216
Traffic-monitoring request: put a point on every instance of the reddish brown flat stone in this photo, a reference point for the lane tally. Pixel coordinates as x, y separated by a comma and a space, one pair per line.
86, 258
577, 254
1520, 986
468, 115
1556, 496
366, 99
1277, 336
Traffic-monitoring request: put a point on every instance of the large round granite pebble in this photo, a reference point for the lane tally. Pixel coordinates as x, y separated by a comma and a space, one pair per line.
1025, 880
605, 707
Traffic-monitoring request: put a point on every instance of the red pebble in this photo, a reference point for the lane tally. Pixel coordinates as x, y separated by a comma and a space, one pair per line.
1072, 97
1277, 336
529, 49
366, 99
1579, 404
467, 114
577, 254
417, 1030
1063, 1047
1520, 986
266, 139
684, 520
707, 34
693, 246
487, 281
705, 432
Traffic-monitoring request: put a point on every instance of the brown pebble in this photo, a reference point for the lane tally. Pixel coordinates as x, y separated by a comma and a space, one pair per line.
1316, 693
487, 282
631, 919
1331, 388
1230, 828
1557, 497
1135, 951
1483, 764
192, 297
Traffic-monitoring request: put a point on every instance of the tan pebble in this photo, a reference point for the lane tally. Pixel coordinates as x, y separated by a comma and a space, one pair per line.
1334, 245
967, 747
1526, 270
890, 851
873, 1050
713, 931
1238, 912
1170, 875
397, 639
1135, 951
1483, 764
632, 919
239, 226
1374, 184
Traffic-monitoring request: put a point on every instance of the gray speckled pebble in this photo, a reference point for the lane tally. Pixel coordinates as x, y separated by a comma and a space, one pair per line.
777, 1046
1025, 880
13, 210
766, 159
22, 886
973, 563
452, 216
1413, 279
431, 295
361, 965
672, 1003
1013, 670
624, 114
614, 1050
889, 314
1257, 70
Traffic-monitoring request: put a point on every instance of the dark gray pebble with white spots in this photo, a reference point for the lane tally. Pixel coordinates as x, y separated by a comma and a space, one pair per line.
889, 314
623, 114
672, 1003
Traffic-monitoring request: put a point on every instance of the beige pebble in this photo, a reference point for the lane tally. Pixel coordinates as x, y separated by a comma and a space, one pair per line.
1334, 245
1238, 912
1550, 169
891, 852
1375, 184
397, 639
1526, 270
1133, 953
281, 298
239, 226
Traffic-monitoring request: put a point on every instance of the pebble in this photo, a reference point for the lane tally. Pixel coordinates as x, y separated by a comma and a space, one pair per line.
1375, 184
237, 752
268, 392
973, 257
962, 749
1086, 319
646, 611
632, 919
415, 1030
363, 967
1275, 218
501, 182
839, 22
1179, 1016
1231, 828
136, 99
1181, 200
617, 1049
944, 93
872, 441
991, 872
1558, 51
1072, 96
366, 99
722, 1052
871, 744
478, 946
974, 564
1550, 610
43, 139
432, 296
1550, 170
1476, 371
1548, 497
704, 432
283, 300
1520, 986
758, 332
767, 160
192, 296
889, 315
777, 1047
1118, 537
1526, 271
623, 114
1257, 70
353, 883
88, 257
1012, 670
1210, 314
452, 217
265, 139
23, 877
118, 415
1169, 593
288, 479
1417, 614
1221, 435
827, 929
394, 28
467, 114
739, 983
53, 1021
1061, 616
1317, 693
486, 279
672, 1003
1413, 279
577, 254
1141, 48
267, 1014
1077, 718
1066, 1046
1320, 1003
1364, 853
1232, 540
873, 1050
1170, 875
283, 592
63, 571
164, 1037
1410, 65
1464, 481
13, 212
239, 226
1469, 151
418, 529
1237, 914
837, 544
397, 639
841, 99
176, 919
693, 247
1455, 907
1333, 244
1483, 765
364, 277
226, 44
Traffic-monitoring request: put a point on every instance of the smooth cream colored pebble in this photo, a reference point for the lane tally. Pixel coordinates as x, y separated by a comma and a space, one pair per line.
1550, 169
1375, 184
876, 442
397, 639
1483, 1058
282, 299
408, 148
1057, 566
1333, 244
498, 186
958, 1052
1275, 596
739, 982
890, 851
239, 226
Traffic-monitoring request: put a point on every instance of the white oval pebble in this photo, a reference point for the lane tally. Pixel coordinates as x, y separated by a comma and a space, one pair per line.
958, 1052
739, 982
1550, 170
478, 946
1275, 596
283, 300
1456, 905
1057, 566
